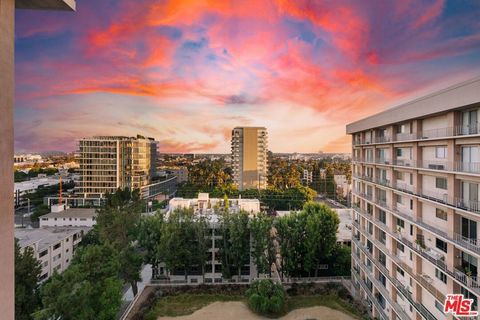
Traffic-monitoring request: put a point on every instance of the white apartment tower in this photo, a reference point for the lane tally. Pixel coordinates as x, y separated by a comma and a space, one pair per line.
416, 177
111, 162
249, 157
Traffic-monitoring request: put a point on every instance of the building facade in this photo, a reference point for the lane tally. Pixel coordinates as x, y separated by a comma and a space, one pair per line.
53, 247
249, 157
63, 216
111, 162
416, 177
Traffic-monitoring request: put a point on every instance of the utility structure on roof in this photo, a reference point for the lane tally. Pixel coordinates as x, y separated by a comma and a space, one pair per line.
7, 83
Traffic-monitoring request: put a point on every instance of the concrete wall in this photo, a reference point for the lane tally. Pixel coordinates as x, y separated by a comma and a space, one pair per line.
7, 293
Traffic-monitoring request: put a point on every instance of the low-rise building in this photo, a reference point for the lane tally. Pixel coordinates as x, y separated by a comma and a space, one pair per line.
63, 216
53, 247
205, 204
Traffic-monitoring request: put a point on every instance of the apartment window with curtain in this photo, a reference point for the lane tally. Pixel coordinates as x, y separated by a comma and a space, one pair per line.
441, 152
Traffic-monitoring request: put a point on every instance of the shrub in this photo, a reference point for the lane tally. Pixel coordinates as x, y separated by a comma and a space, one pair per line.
266, 297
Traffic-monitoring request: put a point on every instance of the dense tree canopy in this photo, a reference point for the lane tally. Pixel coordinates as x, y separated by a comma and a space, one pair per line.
118, 224
307, 239
88, 289
27, 273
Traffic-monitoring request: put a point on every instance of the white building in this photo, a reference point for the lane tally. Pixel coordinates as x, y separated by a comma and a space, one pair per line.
23, 188
416, 190
24, 159
63, 216
53, 247
205, 204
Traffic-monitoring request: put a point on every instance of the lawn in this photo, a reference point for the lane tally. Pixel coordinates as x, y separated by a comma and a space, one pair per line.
330, 301
185, 304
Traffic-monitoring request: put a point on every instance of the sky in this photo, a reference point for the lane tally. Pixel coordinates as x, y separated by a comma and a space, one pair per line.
188, 71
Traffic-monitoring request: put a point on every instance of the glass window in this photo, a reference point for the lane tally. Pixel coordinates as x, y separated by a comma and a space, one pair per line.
440, 244
441, 152
441, 183
440, 275
441, 214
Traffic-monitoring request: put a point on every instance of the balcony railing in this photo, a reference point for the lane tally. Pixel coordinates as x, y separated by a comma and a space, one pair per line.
402, 288
440, 197
379, 286
372, 298
458, 130
464, 242
470, 282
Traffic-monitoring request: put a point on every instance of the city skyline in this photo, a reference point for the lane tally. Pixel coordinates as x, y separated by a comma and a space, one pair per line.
187, 72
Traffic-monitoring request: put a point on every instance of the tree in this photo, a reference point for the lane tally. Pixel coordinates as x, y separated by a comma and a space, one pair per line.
263, 252
320, 234
266, 297
178, 241
27, 274
118, 222
235, 247
39, 211
149, 237
88, 289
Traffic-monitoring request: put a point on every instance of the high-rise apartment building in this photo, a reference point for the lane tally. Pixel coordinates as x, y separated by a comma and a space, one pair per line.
110, 162
416, 198
249, 157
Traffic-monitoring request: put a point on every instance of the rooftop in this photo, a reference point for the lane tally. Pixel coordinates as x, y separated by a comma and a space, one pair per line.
45, 237
454, 97
73, 213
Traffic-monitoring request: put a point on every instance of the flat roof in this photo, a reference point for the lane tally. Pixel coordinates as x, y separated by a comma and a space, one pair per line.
45, 237
460, 95
72, 213
68, 5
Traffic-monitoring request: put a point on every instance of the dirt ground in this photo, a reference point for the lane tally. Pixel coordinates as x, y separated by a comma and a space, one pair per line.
239, 311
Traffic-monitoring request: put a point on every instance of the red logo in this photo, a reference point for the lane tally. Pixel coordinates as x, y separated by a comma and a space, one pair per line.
458, 306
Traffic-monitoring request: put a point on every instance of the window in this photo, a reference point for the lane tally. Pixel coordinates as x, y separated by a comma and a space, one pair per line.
400, 271
442, 245
440, 275
399, 152
399, 199
441, 152
43, 253
411, 204
400, 223
441, 214
411, 230
399, 175
400, 247
439, 306
55, 247
441, 183
382, 216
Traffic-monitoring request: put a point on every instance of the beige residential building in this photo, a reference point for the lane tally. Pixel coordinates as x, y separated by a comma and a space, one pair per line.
110, 162
249, 157
416, 177
52, 247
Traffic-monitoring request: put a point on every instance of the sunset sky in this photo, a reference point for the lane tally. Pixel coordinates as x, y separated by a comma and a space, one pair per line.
187, 71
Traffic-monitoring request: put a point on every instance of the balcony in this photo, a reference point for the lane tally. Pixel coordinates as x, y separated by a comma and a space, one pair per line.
379, 286
470, 282
466, 243
403, 288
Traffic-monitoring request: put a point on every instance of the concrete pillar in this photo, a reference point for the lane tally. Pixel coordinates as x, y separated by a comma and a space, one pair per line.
7, 267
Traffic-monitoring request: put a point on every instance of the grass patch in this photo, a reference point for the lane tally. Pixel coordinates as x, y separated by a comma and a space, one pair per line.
185, 304
330, 301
